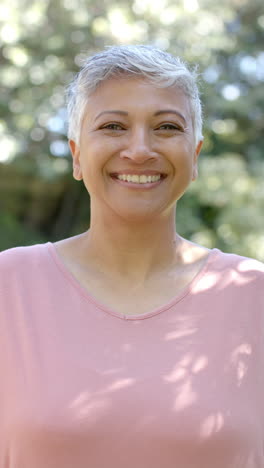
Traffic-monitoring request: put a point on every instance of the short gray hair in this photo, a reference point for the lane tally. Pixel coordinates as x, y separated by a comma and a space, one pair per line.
158, 67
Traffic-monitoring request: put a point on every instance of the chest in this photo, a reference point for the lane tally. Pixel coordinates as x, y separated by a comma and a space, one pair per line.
83, 387
182, 391
133, 297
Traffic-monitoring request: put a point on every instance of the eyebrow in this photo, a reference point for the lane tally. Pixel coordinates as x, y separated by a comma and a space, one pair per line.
111, 112
160, 112
171, 111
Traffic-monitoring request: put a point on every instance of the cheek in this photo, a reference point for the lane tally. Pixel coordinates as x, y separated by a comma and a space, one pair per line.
187, 145
181, 151
99, 152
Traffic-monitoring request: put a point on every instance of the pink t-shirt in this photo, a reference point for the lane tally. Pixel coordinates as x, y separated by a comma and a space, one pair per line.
83, 386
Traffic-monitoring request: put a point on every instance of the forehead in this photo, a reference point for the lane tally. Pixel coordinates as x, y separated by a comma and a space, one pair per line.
134, 94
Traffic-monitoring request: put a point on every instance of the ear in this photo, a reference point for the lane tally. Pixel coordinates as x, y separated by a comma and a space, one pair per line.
195, 162
75, 151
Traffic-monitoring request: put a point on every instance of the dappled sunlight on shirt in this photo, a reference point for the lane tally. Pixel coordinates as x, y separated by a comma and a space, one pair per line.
179, 386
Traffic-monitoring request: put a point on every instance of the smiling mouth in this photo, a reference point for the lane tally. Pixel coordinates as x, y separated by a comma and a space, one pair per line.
139, 179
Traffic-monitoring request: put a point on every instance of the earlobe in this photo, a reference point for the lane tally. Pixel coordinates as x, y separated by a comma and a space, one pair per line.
195, 173
77, 173
75, 151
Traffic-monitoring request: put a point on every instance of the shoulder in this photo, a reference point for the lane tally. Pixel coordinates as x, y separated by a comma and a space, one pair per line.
19, 258
240, 262
238, 267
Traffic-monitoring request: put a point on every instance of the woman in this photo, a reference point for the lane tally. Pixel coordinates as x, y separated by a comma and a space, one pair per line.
128, 346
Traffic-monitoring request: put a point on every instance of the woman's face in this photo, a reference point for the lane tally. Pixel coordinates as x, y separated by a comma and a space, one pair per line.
137, 153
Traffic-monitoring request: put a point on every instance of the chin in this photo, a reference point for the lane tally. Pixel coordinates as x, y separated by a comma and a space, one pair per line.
141, 215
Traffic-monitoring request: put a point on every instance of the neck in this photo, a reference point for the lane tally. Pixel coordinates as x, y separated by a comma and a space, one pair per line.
133, 251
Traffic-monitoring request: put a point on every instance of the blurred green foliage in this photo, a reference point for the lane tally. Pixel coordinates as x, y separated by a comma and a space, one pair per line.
42, 45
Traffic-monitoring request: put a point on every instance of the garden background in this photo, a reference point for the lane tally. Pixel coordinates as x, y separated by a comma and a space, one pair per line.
42, 44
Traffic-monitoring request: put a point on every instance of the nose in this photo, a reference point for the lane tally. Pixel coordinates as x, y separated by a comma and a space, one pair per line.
138, 147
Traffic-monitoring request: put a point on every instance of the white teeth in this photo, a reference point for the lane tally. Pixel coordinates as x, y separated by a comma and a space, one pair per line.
138, 179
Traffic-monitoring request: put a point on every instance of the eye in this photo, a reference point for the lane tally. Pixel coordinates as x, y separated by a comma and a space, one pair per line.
112, 126
169, 127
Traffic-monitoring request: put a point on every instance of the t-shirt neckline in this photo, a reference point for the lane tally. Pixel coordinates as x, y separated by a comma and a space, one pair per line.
91, 299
